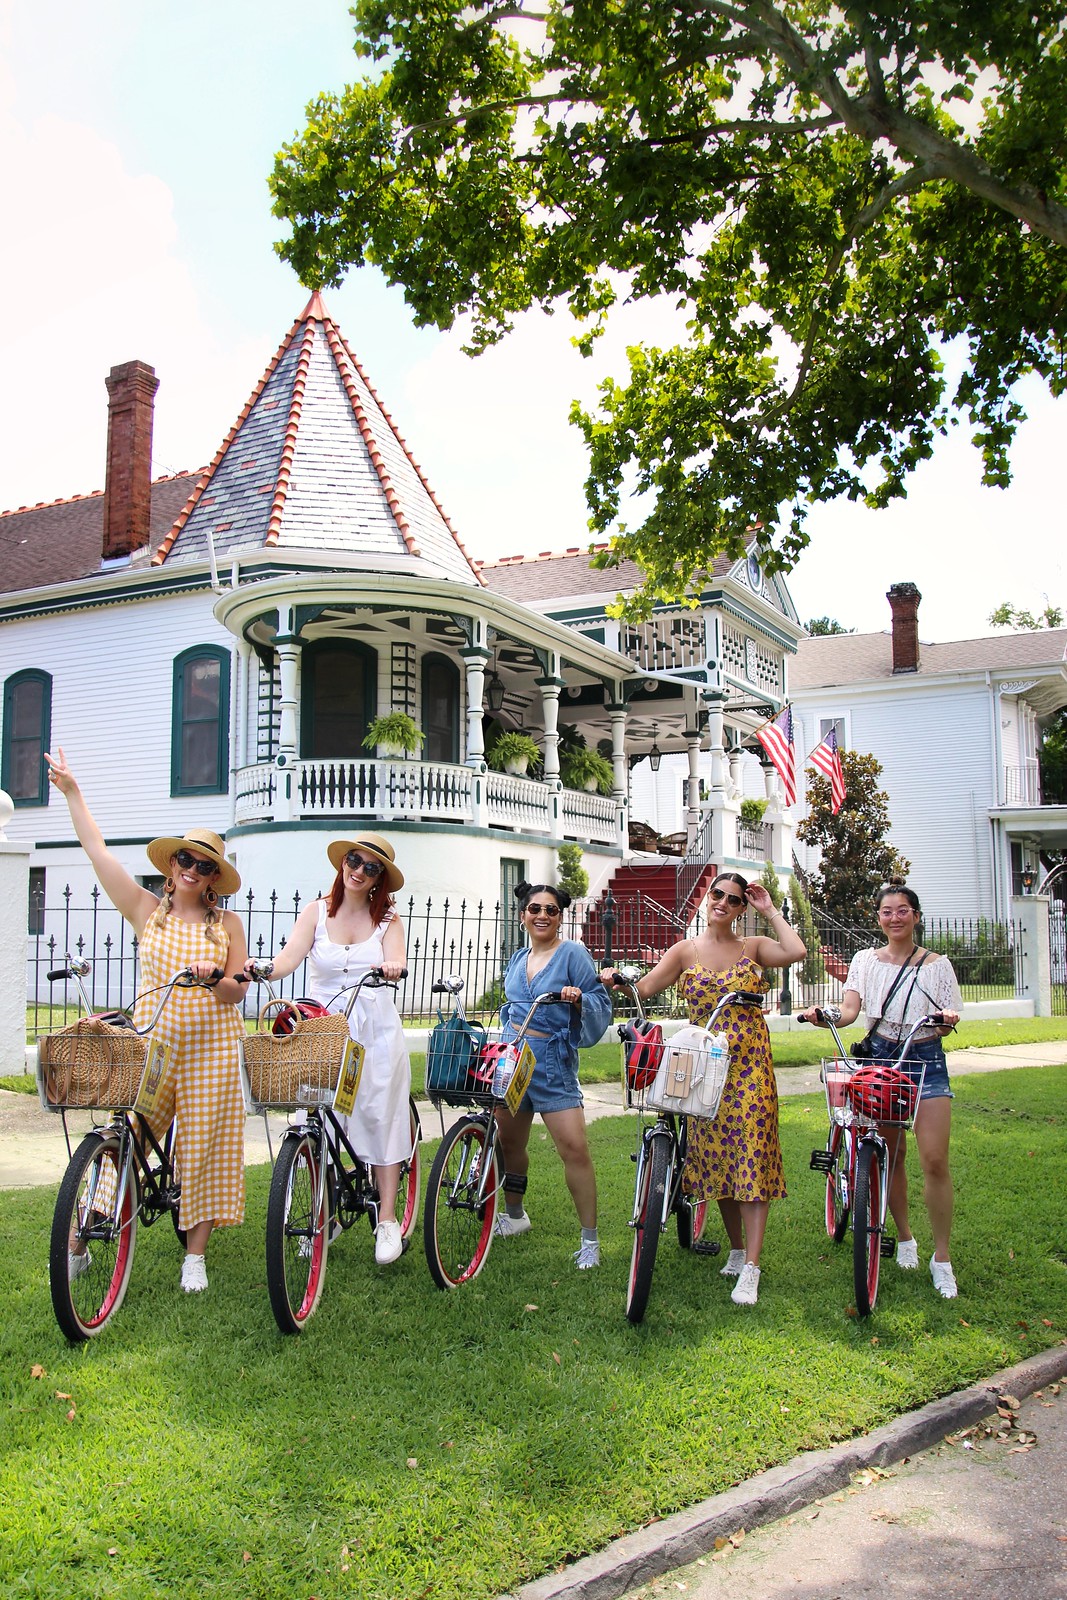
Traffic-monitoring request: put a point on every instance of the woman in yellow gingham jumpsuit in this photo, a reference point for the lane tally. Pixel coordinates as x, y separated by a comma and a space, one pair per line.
202, 1026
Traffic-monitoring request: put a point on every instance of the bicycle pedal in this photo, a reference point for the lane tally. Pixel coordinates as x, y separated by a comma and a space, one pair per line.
707, 1247
887, 1245
821, 1161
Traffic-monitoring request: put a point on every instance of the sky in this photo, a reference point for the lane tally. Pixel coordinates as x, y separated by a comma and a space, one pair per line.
137, 137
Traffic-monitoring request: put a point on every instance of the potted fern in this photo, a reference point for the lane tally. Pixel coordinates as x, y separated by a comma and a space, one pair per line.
587, 769
513, 752
395, 734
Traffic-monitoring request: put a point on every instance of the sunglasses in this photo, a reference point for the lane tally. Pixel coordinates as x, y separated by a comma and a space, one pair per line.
354, 861
731, 899
189, 863
543, 911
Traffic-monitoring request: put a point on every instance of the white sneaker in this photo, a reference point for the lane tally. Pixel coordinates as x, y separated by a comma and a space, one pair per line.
388, 1243
587, 1254
733, 1264
194, 1275
77, 1264
907, 1254
944, 1278
506, 1227
746, 1289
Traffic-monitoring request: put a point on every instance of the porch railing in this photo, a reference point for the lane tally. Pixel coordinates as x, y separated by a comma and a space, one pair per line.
1022, 785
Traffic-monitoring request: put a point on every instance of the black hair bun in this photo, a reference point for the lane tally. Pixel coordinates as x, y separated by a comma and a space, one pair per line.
521, 891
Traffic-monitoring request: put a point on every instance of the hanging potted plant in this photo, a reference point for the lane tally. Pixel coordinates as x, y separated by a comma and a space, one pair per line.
587, 769
395, 734
513, 752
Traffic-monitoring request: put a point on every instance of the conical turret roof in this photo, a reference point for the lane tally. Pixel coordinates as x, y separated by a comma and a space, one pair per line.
313, 463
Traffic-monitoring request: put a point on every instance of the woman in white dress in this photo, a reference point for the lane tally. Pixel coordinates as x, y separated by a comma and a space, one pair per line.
343, 936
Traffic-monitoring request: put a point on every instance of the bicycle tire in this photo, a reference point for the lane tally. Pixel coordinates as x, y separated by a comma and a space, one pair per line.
297, 1240
457, 1229
692, 1217
85, 1302
867, 1226
648, 1222
839, 1147
409, 1191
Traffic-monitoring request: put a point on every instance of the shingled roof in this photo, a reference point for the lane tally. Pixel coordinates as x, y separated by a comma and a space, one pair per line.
833, 660
61, 541
315, 463
569, 574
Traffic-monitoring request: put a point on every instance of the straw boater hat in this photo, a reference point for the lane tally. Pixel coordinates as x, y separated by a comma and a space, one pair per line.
161, 852
369, 844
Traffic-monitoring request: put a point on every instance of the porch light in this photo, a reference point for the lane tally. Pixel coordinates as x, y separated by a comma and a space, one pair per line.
494, 688
655, 755
1028, 880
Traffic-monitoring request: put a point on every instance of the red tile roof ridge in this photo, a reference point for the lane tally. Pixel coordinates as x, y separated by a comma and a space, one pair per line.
546, 555
186, 512
442, 513
89, 494
296, 406
339, 351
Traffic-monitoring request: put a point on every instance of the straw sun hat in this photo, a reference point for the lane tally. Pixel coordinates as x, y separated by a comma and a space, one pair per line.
373, 845
162, 851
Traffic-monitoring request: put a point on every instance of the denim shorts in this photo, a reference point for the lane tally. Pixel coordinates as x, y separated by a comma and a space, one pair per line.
928, 1051
554, 1085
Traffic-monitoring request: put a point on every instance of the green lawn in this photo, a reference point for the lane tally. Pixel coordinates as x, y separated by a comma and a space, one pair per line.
415, 1444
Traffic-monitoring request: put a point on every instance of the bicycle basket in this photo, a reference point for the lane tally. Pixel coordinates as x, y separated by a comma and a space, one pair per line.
883, 1094
452, 1054
282, 1067
92, 1065
643, 1044
691, 1075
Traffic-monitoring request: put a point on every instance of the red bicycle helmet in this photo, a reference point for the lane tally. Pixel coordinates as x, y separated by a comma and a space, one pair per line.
283, 1022
883, 1094
645, 1041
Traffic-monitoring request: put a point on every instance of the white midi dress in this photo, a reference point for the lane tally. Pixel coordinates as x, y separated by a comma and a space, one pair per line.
379, 1128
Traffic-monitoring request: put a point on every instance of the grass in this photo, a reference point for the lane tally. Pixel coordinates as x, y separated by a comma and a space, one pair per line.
416, 1444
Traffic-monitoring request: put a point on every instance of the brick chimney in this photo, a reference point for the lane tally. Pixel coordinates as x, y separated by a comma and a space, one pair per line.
131, 392
904, 603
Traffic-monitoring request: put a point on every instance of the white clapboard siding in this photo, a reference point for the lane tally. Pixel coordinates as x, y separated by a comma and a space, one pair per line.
112, 673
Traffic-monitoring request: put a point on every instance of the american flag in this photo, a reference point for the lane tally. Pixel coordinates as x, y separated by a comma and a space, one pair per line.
825, 759
777, 739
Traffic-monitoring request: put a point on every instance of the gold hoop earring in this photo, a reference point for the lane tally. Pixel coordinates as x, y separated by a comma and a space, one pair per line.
168, 885
210, 899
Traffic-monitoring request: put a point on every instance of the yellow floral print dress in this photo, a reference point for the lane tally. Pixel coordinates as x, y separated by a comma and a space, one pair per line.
738, 1155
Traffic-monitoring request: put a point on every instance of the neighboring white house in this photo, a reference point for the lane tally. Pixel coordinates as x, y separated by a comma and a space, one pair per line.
956, 727
211, 648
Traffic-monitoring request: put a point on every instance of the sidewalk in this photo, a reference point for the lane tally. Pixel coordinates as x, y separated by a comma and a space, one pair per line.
32, 1149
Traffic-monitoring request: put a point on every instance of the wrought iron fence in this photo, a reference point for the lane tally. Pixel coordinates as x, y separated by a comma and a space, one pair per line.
476, 940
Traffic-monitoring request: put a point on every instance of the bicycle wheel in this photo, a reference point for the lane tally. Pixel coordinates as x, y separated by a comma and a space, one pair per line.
407, 1195
460, 1211
867, 1226
88, 1285
297, 1235
692, 1216
648, 1222
839, 1148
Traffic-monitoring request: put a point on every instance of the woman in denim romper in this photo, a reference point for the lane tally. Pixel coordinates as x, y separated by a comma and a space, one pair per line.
928, 987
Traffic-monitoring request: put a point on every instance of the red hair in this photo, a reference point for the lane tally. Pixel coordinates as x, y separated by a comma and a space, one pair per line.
378, 904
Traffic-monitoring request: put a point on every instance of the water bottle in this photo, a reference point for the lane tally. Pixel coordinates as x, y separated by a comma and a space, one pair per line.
504, 1071
715, 1071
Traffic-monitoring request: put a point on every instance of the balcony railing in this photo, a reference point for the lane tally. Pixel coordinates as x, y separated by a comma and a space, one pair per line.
422, 791
1022, 785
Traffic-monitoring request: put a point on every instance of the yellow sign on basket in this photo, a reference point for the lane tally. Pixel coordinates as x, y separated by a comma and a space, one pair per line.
520, 1079
348, 1081
151, 1085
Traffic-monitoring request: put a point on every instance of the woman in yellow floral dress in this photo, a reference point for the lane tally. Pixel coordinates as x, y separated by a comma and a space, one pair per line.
201, 1025
737, 1158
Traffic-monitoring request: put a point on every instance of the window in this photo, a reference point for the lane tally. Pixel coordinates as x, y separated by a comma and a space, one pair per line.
338, 694
27, 735
838, 725
440, 708
35, 921
512, 873
200, 722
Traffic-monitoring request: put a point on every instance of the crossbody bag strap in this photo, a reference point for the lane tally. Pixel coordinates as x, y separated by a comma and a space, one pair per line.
911, 991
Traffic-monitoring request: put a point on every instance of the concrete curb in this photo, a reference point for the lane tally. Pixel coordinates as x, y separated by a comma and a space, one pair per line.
679, 1539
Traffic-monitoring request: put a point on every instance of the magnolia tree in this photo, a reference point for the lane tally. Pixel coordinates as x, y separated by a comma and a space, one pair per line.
829, 193
856, 854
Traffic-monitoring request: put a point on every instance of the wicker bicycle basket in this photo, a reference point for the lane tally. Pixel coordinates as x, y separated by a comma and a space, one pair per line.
91, 1065
284, 1069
